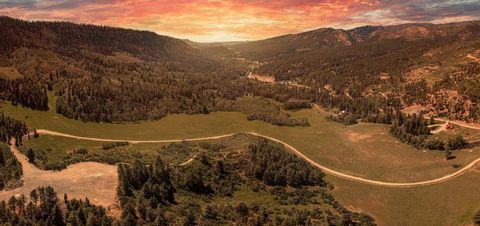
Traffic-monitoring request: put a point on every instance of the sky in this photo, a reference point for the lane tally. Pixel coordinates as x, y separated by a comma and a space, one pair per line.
238, 20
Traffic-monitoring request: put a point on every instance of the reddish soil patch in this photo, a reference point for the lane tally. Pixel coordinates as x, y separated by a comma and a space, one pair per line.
262, 78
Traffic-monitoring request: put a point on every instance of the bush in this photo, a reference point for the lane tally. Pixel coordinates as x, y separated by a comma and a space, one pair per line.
114, 145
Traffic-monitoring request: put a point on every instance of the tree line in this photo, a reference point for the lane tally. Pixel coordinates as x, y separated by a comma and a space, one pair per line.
43, 207
10, 168
414, 130
11, 128
274, 166
25, 92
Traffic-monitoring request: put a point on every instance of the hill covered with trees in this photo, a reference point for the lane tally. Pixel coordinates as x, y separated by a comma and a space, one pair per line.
432, 66
106, 74
322, 38
208, 190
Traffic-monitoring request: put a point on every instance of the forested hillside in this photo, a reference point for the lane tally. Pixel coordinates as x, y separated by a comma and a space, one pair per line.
106, 74
330, 38
208, 190
68, 39
432, 68
24, 92
118, 75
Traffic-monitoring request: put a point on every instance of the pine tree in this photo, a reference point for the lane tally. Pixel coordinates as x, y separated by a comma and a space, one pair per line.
30, 156
57, 218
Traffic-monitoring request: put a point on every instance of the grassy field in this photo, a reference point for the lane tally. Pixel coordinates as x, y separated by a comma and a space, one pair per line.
467, 133
450, 203
366, 150
58, 149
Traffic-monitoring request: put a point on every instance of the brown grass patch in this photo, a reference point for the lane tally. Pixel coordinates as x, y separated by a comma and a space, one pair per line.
10, 73
357, 137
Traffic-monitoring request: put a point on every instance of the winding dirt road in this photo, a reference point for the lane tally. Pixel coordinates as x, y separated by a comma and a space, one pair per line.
295, 151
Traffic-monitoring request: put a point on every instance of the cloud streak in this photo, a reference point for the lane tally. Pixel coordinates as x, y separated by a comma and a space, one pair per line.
227, 20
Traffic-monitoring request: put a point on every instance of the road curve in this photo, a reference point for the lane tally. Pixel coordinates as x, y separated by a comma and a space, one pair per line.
295, 151
459, 123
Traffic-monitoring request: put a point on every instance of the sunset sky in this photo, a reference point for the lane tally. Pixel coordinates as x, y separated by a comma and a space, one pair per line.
232, 20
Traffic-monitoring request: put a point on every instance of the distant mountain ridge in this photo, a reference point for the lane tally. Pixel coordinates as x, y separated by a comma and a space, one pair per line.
330, 37
61, 36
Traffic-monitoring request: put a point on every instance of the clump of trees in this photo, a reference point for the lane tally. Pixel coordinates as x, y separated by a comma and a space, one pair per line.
10, 168
143, 190
297, 104
274, 166
26, 92
43, 207
261, 109
251, 214
163, 194
42, 159
414, 130
11, 128
114, 145
416, 92
411, 129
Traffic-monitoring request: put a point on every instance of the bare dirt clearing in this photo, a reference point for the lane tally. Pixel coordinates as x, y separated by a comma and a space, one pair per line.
261, 78
438, 128
96, 181
474, 56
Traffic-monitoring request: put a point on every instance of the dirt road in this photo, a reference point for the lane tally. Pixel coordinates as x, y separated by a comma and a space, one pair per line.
441, 128
298, 153
52, 133
462, 124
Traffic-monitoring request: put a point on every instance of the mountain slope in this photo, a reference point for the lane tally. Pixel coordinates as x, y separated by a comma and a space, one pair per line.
329, 37
105, 74
430, 68
118, 75
66, 37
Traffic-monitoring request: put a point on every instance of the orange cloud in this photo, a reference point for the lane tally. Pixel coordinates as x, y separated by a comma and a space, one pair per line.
227, 20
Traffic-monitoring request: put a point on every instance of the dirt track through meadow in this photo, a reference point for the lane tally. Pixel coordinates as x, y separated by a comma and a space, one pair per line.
299, 154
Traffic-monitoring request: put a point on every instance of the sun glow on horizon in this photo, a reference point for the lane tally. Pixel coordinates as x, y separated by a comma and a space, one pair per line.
238, 20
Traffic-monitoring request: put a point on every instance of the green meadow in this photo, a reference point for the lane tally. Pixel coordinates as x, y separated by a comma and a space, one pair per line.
366, 150
450, 203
